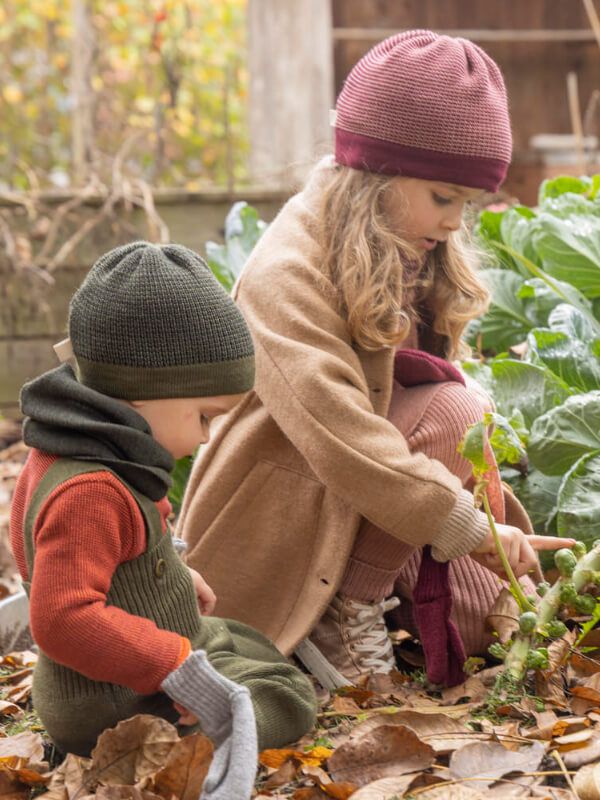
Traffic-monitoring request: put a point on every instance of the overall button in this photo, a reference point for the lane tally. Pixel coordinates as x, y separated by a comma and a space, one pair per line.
159, 569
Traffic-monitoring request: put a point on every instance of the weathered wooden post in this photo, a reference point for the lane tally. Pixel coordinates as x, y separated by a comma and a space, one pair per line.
291, 87
82, 93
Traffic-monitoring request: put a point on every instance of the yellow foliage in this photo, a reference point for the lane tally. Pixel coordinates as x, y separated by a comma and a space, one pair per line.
12, 94
157, 62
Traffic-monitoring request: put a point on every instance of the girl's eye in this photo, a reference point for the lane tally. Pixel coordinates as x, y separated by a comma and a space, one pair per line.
204, 420
441, 201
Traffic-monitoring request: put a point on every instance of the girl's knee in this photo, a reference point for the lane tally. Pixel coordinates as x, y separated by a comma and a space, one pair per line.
445, 419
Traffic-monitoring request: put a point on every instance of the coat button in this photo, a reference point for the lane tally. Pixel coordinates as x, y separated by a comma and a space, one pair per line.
159, 569
375, 389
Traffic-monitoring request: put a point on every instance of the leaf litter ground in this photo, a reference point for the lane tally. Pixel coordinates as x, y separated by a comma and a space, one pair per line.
392, 738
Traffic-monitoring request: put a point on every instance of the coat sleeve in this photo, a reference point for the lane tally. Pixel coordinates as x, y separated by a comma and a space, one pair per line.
310, 379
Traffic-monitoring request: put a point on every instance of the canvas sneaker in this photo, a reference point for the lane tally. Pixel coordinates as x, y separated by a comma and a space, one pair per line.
350, 640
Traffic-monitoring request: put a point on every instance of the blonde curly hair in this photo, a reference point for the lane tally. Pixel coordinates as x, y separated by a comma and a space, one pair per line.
373, 268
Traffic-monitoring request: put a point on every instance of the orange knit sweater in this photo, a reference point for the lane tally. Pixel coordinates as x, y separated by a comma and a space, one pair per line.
87, 527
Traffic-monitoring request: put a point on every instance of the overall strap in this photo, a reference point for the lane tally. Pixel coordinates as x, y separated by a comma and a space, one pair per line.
59, 472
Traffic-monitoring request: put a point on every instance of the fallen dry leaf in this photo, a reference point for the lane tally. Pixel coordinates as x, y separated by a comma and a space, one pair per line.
587, 782
384, 788
575, 759
346, 706
491, 760
134, 749
18, 675
338, 791
503, 618
9, 709
69, 779
443, 733
588, 690
545, 725
11, 789
584, 664
29, 777
21, 692
116, 792
311, 793
322, 781
388, 750
452, 792
549, 685
552, 793
24, 658
591, 639
185, 769
360, 696
472, 689
503, 790
285, 774
274, 758
566, 725
573, 740
26, 745
456, 711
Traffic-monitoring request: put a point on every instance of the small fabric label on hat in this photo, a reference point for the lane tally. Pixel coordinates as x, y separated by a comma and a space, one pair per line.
63, 350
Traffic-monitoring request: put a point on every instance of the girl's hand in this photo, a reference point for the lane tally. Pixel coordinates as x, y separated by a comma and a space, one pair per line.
520, 550
207, 599
185, 717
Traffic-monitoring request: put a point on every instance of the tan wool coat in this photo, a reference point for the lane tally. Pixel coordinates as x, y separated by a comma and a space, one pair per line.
275, 499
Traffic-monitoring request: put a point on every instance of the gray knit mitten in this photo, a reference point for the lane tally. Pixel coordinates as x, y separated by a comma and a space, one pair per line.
226, 715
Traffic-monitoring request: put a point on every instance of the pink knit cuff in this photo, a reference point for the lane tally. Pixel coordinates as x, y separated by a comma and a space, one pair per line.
463, 530
368, 583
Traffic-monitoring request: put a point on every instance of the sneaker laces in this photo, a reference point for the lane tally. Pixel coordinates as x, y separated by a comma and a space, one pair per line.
370, 634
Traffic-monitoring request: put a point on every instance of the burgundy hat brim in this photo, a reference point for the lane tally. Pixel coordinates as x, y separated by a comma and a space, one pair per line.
363, 152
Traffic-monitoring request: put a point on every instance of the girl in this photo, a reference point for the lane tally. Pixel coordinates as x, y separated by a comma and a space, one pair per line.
322, 493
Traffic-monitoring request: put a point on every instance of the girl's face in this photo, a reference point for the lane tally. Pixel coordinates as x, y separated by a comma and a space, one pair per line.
426, 212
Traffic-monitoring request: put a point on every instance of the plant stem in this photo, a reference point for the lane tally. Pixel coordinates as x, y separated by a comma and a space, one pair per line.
516, 657
518, 592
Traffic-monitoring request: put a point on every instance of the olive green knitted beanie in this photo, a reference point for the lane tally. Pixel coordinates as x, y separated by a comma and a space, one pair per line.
151, 321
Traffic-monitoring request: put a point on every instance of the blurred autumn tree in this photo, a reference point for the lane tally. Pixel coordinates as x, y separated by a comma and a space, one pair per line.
165, 91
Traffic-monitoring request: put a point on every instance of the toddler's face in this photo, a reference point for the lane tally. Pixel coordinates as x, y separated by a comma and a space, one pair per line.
426, 212
182, 424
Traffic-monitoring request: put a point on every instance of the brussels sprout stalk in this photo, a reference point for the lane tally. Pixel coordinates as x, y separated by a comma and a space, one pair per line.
538, 620
547, 609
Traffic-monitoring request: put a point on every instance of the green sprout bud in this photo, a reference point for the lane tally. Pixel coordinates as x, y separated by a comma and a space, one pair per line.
537, 659
527, 622
555, 628
568, 593
497, 650
542, 588
565, 562
585, 603
579, 549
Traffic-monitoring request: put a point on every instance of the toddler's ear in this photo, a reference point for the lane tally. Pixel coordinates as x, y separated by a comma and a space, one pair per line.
137, 403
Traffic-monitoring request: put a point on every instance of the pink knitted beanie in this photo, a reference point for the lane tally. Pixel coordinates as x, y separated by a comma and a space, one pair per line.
426, 106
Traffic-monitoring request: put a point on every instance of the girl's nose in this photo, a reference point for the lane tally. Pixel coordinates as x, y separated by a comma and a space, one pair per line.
453, 220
